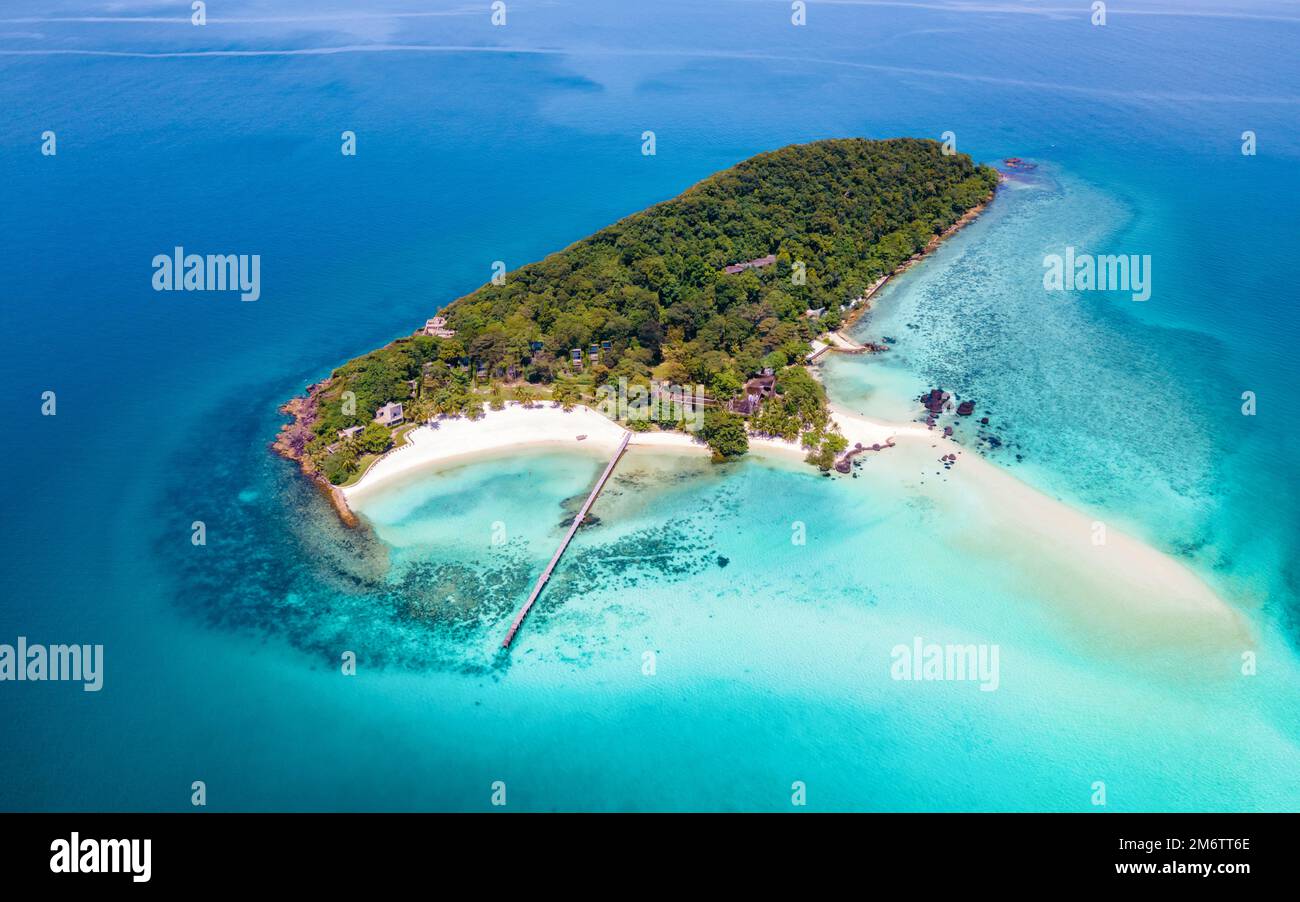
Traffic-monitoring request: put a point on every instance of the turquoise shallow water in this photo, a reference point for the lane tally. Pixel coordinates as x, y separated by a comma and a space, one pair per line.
1135, 416
223, 661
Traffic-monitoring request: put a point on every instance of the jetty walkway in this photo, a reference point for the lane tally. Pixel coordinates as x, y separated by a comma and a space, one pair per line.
577, 521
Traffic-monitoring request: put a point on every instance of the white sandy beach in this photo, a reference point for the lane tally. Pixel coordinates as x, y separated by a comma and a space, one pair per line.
1120, 588
1124, 589
515, 427
454, 440
839, 341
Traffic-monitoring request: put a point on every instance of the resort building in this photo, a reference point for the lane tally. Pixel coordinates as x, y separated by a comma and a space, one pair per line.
389, 415
756, 390
351, 431
437, 327
750, 264
676, 396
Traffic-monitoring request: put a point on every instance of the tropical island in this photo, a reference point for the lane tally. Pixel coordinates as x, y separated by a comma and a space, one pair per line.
734, 286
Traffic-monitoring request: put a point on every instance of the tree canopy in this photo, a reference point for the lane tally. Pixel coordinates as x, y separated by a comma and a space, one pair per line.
837, 215
652, 294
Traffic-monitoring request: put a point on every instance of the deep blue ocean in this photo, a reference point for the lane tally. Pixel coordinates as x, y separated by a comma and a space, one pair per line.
478, 143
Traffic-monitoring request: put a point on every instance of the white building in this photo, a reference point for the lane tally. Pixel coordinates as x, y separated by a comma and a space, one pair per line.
389, 414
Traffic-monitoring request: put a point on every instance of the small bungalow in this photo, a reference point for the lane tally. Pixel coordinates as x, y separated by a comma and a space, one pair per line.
350, 432
814, 313
389, 415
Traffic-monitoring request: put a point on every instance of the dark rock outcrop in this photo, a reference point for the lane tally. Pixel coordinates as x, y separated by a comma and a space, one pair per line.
935, 400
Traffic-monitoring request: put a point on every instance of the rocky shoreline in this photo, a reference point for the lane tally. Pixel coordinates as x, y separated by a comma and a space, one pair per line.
291, 443
857, 311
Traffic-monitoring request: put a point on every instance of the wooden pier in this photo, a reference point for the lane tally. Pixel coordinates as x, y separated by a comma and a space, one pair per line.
577, 521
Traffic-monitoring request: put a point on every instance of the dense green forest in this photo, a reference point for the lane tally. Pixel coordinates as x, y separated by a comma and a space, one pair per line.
651, 294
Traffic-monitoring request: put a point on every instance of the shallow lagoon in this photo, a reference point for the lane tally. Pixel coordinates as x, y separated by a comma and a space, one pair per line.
223, 665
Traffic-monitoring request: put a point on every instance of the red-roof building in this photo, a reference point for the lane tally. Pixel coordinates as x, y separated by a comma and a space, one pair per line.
750, 264
753, 395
